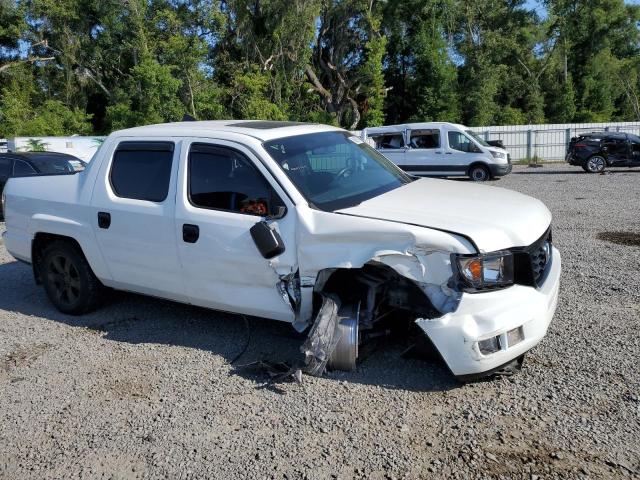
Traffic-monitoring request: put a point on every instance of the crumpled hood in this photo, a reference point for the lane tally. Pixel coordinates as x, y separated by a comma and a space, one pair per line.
494, 218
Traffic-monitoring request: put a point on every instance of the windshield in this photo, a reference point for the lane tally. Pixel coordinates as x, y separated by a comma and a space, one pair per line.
335, 170
477, 138
52, 165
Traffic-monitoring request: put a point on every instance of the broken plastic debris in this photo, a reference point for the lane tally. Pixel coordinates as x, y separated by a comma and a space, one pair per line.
323, 337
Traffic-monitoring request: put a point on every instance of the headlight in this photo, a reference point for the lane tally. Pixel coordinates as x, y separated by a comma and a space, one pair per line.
499, 155
482, 272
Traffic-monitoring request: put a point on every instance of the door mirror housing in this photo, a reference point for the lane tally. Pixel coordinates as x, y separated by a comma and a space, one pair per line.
267, 239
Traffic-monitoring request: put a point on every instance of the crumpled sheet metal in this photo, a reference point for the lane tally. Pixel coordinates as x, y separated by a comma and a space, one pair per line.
323, 337
329, 241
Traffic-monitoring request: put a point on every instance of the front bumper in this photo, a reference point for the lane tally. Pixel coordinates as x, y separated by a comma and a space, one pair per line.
500, 170
482, 316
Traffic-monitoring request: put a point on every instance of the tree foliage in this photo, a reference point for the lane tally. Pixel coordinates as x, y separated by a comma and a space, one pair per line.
92, 66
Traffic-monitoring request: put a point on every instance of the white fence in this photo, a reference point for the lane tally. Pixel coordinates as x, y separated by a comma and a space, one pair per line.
547, 142
78, 146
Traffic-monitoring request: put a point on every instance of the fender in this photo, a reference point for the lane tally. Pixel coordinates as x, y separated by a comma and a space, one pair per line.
78, 231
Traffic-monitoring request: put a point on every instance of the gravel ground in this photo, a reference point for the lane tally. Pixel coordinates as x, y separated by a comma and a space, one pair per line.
144, 388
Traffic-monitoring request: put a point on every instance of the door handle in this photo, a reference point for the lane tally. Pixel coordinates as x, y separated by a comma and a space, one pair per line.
190, 233
104, 220
438, 152
449, 153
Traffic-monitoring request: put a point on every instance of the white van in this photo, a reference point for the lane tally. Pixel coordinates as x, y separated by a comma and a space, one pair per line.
439, 149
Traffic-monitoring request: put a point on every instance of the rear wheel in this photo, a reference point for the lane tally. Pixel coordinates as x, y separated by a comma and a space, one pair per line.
479, 173
596, 164
68, 279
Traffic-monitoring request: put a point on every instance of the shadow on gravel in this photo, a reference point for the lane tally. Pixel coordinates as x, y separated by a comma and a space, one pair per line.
137, 319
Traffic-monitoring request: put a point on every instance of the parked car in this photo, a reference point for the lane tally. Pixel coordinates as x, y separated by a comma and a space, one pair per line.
594, 152
439, 149
36, 163
301, 223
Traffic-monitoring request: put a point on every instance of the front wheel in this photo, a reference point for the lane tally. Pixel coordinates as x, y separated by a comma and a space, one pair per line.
68, 279
596, 164
479, 173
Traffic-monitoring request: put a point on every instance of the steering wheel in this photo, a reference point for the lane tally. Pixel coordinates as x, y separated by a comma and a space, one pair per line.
344, 173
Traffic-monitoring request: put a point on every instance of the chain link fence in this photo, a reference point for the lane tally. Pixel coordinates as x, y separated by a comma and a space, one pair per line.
546, 143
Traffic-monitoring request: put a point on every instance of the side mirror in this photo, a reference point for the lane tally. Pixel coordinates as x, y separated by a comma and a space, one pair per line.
267, 239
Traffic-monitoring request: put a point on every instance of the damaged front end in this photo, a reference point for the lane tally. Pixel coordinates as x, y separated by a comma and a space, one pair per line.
354, 304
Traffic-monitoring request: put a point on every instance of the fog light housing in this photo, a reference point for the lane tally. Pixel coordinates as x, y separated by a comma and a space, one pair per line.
515, 336
489, 346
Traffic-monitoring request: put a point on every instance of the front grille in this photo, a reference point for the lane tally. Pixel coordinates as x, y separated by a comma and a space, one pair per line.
530, 263
539, 259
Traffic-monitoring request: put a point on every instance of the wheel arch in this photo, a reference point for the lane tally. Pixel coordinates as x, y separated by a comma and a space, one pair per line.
479, 163
40, 242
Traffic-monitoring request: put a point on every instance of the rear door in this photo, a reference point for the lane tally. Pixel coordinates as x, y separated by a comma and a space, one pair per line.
617, 148
224, 190
634, 149
133, 207
425, 155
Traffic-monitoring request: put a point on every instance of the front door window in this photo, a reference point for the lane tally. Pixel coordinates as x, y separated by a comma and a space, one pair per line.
459, 141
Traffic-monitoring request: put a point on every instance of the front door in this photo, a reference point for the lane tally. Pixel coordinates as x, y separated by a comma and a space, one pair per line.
133, 208
222, 193
460, 151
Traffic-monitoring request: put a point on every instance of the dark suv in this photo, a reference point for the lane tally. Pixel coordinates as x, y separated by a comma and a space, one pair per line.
594, 152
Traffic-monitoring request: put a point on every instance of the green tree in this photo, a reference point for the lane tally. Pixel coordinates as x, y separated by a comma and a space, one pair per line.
421, 76
346, 67
597, 38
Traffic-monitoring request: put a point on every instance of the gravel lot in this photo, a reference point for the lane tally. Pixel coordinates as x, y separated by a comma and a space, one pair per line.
144, 388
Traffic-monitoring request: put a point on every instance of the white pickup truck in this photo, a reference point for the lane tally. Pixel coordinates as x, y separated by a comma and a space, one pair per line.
301, 223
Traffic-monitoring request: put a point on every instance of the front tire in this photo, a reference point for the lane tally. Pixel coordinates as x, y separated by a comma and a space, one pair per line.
479, 173
596, 164
68, 279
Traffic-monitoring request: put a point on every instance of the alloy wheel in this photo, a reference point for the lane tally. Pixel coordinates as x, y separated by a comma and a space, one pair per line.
596, 164
65, 279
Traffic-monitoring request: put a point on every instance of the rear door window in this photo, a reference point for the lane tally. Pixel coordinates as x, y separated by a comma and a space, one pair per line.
142, 170
391, 141
424, 139
21, 168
